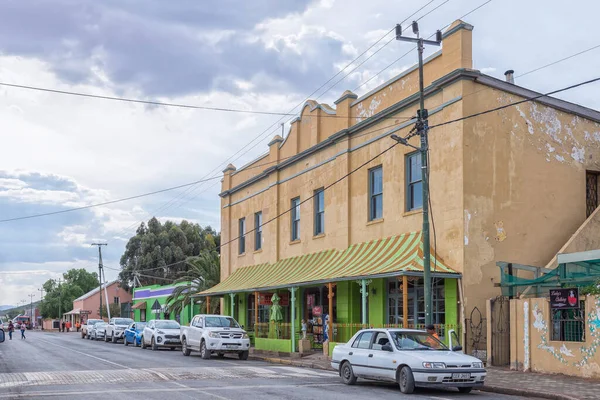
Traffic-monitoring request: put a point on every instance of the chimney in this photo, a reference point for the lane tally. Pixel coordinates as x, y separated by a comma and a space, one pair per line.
510, 76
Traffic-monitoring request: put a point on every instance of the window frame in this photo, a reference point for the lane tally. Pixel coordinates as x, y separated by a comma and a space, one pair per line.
242, 235
295, 219
571, 328
410, 184
373, 195
258, 231
319, 216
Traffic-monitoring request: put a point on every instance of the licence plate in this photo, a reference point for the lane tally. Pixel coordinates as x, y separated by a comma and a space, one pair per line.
461, 376
231, 346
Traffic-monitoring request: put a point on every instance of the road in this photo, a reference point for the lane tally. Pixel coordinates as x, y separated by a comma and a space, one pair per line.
58, 365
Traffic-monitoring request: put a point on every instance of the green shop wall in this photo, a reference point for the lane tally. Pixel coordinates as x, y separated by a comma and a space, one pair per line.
377, 306
451, 301
184, 316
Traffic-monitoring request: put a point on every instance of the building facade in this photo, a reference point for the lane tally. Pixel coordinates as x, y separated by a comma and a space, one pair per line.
88, 306
331, 217
150, 302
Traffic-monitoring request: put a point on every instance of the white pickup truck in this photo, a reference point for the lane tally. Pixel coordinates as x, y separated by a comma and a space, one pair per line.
218, 334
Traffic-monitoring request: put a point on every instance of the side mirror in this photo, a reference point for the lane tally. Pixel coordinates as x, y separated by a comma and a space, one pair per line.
457, 348
387, 347
2, 338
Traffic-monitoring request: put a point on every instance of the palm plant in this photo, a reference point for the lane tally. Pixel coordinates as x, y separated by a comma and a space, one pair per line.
203, 272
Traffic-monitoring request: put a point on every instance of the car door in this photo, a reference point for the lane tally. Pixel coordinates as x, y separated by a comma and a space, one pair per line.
147, 337
129, 335
197, 331
359, 353
382, 363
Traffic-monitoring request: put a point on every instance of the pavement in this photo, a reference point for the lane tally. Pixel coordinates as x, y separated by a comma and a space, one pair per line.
500, 381
61, 365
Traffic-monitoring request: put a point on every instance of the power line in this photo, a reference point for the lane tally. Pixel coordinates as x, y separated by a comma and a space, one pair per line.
558, 61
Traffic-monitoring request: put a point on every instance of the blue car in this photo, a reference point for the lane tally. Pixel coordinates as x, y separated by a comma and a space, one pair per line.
133, 334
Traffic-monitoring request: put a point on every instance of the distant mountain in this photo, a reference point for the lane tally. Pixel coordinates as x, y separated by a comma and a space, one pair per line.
2, 308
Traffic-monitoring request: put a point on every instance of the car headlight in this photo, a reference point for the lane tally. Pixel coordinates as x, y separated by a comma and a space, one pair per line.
477, 365
214, 335
434, 365
245, 336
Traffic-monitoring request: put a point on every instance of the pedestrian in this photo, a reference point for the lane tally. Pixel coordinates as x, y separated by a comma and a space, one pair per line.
11, 329
63, 326
77, 325
23, 331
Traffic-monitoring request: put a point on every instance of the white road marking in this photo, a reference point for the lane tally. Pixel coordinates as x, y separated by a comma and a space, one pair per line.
306, 371
85, 354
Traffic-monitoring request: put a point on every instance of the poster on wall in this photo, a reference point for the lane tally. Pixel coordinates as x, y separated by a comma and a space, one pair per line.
317, 310
563, 299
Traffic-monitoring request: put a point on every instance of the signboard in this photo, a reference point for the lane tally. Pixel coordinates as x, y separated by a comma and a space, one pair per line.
317, 311
264, 299
85, 312
562, 299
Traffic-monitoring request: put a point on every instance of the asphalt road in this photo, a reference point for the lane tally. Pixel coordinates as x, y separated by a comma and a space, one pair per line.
61, 365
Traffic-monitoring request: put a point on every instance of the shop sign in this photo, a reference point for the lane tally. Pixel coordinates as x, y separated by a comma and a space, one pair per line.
317, 311
264, 299
562, 299
85, 312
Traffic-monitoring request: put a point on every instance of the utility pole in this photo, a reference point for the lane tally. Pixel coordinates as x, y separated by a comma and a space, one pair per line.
31, 316
422, 129
41, 290
100, 267
59, 303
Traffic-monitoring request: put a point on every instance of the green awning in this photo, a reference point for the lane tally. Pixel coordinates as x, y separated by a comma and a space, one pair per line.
393, 256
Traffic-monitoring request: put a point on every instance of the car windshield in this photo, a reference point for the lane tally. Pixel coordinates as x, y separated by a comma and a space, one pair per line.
123, 321
140, 325
220, 322
99, 324
167, 325
94, 322
416, 341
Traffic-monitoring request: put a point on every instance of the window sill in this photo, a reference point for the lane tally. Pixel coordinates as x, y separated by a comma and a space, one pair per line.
295, 241
413, 212
258, 251
242, 254
319, 236
375, 221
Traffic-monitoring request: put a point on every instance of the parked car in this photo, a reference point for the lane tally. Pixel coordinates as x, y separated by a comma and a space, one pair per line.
411, 358
86, 328
99, 331
116, 329
161, 333
2, 336
133, 334
214, 334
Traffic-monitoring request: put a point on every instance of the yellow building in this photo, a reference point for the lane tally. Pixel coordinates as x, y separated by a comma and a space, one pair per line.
509, 185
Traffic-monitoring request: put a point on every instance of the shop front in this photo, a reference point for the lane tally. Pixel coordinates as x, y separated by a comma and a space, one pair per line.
150, 302
333, 294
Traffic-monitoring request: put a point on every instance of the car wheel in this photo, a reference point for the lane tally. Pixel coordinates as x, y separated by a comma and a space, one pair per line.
106, 338
153, 344
204, 352
125, 341
406, 380
184, 349
465, 389
347, 373
143, 344
113, 338
243, 355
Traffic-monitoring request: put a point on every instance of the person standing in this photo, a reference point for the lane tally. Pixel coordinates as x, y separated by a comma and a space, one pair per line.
11, 329
63, 326
23, 331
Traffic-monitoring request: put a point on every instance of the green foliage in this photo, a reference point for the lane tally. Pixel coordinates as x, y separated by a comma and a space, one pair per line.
115, 310
203, 272
592, 290
59, 299
149, 254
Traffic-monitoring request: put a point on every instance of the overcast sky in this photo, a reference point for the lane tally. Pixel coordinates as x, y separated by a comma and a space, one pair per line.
60, 151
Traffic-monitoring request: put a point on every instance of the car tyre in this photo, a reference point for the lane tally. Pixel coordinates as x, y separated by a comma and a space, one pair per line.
406, 380
204, 352
143, 345
465, 389
106, 338
153, 344
184, 349
125, 341
347, 373
243, 355
113, 338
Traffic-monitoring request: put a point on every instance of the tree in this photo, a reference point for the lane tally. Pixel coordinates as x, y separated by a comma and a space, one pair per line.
115, 310
58, 299
203, 272
157, 253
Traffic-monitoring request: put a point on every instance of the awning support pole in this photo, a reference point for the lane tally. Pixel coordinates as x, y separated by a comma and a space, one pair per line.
208, 304
255, 315
293, 295
404, 301
330, 322
232, 297
363, 291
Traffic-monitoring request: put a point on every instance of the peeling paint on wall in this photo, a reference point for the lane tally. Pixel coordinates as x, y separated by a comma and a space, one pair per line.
500, 232
526, 336
363, 113
467, 220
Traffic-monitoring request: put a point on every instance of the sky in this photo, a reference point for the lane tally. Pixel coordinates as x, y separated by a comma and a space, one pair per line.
59, 152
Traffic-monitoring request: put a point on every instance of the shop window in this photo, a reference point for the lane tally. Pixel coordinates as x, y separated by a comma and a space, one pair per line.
568, 325
241, 234
295, 216
263, 312
416, 301
375, 193
414, 182
143, 315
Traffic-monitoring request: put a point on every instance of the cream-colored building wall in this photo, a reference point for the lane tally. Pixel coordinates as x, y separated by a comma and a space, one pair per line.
524, 184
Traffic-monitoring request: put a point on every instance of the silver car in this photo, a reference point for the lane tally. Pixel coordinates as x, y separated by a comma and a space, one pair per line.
99, 331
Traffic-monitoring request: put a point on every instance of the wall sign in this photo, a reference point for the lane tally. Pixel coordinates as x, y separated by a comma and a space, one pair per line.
264, 299
562, 299
317, 311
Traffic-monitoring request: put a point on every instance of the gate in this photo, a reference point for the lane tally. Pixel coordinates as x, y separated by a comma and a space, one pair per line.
500, 320
475, 344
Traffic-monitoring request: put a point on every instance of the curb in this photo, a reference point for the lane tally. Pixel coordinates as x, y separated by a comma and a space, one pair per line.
485, 388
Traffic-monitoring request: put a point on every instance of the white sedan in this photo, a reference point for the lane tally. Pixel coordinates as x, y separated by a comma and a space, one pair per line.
408, 357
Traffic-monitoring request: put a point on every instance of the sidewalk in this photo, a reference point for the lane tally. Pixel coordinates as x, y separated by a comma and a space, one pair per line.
528, 384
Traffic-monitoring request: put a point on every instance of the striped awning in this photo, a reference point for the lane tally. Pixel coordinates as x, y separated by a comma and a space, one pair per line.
393, 256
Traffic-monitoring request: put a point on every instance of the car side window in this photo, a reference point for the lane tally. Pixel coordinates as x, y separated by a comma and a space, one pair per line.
365, 340
381, 339
356, 341
200, 322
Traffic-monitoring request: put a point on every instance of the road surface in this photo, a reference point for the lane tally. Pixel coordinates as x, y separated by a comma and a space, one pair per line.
61, 365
